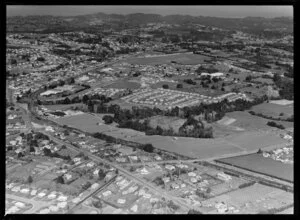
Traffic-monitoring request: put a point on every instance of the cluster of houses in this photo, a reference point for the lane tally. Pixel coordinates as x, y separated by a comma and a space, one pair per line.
15, 206
171, 98
284, 155
58, 90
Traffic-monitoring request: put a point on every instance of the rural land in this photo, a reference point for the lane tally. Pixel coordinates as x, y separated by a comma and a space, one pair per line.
149, 114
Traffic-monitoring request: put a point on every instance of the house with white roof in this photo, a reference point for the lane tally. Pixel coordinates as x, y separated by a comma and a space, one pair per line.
169, 167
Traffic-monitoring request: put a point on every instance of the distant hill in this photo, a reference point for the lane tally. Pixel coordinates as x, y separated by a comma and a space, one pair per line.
48, 22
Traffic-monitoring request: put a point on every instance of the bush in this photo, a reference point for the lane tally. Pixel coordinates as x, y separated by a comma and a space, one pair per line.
29, 179
63, 147
179, 86
148, 148
60, 180
244, 185
108, 119
273, 124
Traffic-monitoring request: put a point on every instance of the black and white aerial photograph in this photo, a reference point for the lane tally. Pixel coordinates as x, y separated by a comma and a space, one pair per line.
149, 109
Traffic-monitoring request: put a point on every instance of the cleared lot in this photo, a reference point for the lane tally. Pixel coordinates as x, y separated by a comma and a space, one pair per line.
258, 163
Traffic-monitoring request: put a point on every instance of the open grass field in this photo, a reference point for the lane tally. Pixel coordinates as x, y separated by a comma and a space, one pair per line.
191, 147
85, 122
90, 123
258, 163
251, 122
274, 110
184, 58
123, 84
252, 140
160, 84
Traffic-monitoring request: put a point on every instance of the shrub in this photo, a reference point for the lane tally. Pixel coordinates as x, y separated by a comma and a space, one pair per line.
179, 86
148, 148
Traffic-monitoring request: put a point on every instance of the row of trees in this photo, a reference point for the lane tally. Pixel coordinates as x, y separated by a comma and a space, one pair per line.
209, 112
191, 128
146, 147
291, 119
274, 124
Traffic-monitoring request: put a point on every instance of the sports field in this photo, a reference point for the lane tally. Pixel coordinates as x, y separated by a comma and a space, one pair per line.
258, 163
184, 58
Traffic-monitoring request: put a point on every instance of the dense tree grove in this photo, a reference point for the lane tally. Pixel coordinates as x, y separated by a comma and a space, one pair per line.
209, 112
286, 86
291, 118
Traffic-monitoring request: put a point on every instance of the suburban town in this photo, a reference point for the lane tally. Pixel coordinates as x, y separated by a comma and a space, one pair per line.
149, 114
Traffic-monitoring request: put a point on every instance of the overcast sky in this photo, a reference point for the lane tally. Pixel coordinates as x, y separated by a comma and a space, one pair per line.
214, 11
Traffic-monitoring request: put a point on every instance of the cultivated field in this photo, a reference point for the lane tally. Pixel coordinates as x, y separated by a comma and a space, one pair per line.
184, 58
258, 163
